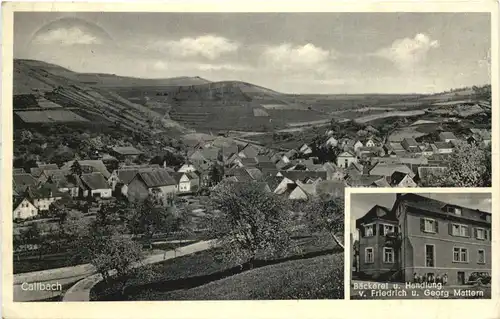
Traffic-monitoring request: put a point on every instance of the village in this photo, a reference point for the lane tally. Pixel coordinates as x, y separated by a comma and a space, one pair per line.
295, 174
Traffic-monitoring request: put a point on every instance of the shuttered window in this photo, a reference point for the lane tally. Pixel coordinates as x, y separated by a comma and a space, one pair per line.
428, 225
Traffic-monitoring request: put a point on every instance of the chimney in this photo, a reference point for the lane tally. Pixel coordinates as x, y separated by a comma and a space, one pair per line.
164, 164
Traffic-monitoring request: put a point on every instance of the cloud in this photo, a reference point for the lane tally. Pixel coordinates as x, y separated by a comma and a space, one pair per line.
407, 53
208, 46
67, 37
288, 57
161, 65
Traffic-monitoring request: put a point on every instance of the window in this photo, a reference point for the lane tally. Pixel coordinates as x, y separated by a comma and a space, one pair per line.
388, 229
388, 255
429, 256
429, 225
368, 230
460, 230
480, 256
454, 210
460, 255
480, 233
368, 255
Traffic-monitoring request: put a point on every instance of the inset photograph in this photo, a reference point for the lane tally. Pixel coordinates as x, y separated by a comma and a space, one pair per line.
420, 245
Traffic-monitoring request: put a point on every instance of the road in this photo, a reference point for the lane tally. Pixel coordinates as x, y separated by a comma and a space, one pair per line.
68, 276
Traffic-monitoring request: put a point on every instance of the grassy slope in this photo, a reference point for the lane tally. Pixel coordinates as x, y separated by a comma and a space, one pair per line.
199, 268
315, 278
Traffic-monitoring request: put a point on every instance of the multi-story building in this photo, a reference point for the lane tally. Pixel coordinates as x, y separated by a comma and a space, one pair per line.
424, 237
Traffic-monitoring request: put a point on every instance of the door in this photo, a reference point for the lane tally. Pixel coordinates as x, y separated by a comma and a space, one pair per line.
461, 278
429, 256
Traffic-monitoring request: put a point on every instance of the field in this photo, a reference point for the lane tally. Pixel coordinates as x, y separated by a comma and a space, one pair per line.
207, 267
49, 116
314, 278
369, 118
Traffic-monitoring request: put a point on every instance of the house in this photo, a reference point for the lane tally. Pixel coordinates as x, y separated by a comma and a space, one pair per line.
386, 169
354, 169
345, 159
54, 174
125, 152
18, 171
410, 145
290, 155
400, 179
205, 156
333, 173
302, 191
95, 185
443, 147
122, 177
305, 149
357, 145
89, 166
47, 166
273, 182
158, 183
303, 176
263, 159
244, 174
69, 184
247, 162
248, 151
24, 208
394, 149
22, 181
372, 142
423, 236
229, 150
447, 137
480, 136
186, 168
233, 160
187, 182
427, 150
332, 142
366, 181
364, 151
43, 196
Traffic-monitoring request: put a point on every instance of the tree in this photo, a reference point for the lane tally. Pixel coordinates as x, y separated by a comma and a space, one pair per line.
469, 166
247, 221
327, 214
76, 168
26, 136
151, 218
74, 227
115, 252
216, 174
33, 236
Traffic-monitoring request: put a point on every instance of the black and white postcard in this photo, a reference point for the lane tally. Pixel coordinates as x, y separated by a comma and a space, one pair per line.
207, 151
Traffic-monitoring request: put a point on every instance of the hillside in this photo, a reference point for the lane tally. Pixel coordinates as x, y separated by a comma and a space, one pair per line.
226, 105
193, 103
47, 93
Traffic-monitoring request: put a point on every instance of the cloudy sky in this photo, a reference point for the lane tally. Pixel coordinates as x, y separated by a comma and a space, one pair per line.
362, 203
288, 52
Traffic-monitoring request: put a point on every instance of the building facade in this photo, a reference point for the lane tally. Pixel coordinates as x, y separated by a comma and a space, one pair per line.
424, 237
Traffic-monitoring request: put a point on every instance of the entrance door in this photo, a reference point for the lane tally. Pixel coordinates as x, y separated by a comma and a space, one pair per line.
461, 278
429, 256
